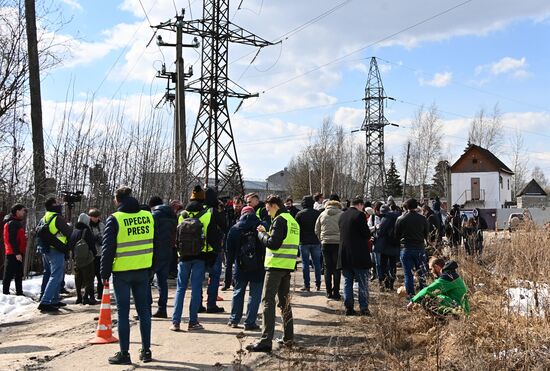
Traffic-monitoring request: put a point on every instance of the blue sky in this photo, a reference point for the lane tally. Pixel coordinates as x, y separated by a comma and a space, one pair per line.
481, 53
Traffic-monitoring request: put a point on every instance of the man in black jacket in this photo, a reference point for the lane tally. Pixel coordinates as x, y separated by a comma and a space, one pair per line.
289, 204
165, 224
354, 257
132, 270
54, 257
412, 230
309, 243
281, 244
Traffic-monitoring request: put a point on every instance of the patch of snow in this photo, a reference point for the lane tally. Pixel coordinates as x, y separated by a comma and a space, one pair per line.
12, 306
529, 299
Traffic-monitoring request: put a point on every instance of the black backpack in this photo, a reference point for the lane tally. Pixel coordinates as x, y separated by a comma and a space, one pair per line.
45, 238
250, 257
190, 238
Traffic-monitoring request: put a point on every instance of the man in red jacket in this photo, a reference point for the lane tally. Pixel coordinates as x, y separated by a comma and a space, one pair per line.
15, 243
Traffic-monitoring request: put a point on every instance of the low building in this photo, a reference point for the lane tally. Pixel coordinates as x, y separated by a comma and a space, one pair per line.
532, 195
263, 188
479, 179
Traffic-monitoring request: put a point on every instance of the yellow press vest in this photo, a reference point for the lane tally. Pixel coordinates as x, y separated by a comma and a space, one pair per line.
134, 241
285, 256
205, 221
50, 217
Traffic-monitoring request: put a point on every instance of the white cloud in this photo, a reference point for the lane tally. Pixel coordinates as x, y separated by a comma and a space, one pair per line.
73, 4
508, 64
349, 118
515, 68
439, 80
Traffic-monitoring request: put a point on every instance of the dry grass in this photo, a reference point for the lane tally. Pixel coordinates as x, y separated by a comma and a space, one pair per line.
494, 337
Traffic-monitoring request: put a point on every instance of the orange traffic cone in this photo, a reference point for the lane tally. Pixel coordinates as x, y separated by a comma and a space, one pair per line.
104, 333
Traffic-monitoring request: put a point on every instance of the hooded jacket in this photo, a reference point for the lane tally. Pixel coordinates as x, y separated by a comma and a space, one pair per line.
165, 225
306, 219
247, 223
449, 287
82, 231
15, 241
326, 226
385, 243
108, 249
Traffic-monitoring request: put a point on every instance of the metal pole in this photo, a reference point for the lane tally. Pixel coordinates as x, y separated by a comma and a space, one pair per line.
406, 171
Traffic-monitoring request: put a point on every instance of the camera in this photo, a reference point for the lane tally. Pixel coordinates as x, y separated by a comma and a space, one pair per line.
72, 197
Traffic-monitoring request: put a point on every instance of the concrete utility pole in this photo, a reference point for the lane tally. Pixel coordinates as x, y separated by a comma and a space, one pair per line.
178, 78
36, 106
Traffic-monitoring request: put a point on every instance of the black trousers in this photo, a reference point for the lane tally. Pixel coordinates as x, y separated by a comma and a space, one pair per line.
228, 278
84, 277
332, 275
13, 268
389, 269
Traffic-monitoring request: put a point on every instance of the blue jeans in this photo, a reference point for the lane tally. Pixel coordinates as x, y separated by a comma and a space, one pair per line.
55, 260
193, 270
45, 275
254, 298
162, 283
214, 274
138, 283
315, 252
361, 276
413, 259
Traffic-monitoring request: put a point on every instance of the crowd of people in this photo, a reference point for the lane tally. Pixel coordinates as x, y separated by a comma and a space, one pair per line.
258, 242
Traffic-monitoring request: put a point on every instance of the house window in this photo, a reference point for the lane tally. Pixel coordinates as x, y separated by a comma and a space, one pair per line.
508, 181
500, 181
474, 161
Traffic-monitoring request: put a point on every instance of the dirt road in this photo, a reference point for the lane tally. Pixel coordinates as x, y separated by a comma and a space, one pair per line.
60, 342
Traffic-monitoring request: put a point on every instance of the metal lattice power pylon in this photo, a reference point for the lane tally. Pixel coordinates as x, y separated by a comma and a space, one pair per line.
373, 125
212, 148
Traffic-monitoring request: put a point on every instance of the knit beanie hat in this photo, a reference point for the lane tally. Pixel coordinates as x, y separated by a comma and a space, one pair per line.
369, 210
247, 209
197, 194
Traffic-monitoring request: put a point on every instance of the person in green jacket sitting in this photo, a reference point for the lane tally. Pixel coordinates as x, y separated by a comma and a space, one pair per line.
446, 294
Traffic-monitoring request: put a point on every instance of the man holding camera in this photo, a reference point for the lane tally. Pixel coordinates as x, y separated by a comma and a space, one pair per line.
54, 251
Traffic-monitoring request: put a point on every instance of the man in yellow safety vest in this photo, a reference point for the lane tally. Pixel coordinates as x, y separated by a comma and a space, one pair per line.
128, 252
281, 244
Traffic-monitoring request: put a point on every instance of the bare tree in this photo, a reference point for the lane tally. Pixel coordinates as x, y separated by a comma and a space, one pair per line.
520, 161
539, 176
486, 131
332, 161
425, 137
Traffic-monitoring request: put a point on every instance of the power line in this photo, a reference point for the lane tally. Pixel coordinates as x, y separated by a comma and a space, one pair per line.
342, 58
145, 12
299, 28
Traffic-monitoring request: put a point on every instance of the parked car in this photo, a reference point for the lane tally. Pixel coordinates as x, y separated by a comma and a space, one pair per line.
518, 220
